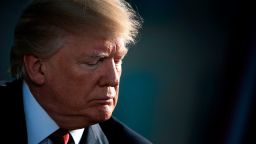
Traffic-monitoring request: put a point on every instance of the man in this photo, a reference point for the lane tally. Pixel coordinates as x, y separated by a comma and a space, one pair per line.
66, 60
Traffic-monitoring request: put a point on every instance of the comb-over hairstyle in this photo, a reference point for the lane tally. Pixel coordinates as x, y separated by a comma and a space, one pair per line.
44, 23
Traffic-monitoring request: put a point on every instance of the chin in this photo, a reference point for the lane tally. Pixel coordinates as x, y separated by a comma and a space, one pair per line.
104, 113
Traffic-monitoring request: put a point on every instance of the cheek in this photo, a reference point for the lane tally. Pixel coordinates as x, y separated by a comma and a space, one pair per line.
80, 85
74, 86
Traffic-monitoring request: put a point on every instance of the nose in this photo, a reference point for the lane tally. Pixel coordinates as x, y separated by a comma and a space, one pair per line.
110, 74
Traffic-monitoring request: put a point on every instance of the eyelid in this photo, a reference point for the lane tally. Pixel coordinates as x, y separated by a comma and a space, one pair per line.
96, 61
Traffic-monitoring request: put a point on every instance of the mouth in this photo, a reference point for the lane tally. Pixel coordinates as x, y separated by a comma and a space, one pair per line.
104, 101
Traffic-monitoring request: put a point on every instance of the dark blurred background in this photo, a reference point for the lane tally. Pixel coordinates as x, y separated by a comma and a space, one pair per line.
190, 78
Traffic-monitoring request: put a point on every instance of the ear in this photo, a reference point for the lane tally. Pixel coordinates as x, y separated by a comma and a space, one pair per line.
34, 69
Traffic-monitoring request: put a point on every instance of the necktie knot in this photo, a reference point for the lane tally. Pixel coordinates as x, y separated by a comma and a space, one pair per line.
61, 136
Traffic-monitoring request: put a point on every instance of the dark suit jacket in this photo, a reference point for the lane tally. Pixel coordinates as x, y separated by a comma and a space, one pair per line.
13, 126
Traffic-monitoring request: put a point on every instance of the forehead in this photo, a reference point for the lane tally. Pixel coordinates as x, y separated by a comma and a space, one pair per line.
94, 44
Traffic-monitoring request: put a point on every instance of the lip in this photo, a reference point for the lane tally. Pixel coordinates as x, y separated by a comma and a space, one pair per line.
104, 101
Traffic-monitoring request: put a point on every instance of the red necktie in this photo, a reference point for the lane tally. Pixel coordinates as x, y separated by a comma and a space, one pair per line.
61, 137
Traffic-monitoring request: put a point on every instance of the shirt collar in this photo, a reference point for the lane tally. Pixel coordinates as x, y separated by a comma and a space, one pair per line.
77, 134
39, 124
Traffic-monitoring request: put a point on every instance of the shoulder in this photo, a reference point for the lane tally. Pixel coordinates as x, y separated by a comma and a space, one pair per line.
4, 86
10, 90
11, 108
117, 132
9, 86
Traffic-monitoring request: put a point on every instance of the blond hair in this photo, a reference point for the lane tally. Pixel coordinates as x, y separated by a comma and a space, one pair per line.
44, 23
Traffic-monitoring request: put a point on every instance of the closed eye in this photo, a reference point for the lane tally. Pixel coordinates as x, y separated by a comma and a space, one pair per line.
96, 62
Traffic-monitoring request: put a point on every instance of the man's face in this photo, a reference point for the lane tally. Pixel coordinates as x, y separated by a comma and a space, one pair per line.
82, 81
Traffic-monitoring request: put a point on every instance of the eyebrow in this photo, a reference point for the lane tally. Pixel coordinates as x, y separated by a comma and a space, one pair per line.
122, 52
100, 54
97, 54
